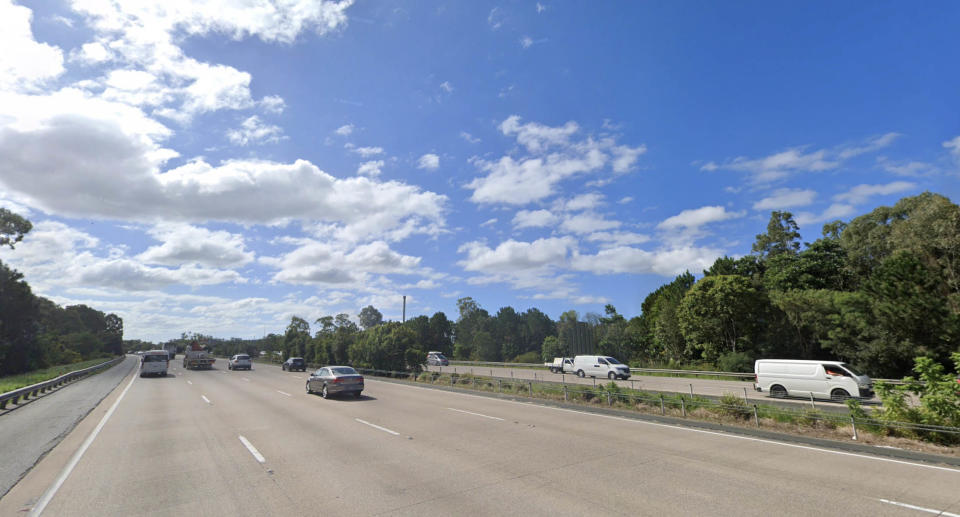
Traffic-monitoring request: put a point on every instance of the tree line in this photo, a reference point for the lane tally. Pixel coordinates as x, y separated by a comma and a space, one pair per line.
37, 333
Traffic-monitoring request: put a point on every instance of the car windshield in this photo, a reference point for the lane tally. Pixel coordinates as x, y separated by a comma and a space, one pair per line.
612, 360
344, 370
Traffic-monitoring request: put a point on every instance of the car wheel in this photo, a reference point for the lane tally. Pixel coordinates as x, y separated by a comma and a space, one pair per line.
611, 376
839, 395
777, 391
324, 393
581, 374
357, 394
309, 391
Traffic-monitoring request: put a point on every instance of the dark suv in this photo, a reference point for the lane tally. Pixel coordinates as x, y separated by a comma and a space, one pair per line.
295, 363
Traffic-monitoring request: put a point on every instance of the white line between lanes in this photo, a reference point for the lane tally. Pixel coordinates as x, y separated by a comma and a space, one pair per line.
188, 382
688, 429
477, 414
284, 393
52, 491
918, 508
375, 426
205, 399
253, 450
246, 379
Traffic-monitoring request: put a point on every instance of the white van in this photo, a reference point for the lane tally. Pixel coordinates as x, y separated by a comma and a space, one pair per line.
600, 366
154, 362
832, 380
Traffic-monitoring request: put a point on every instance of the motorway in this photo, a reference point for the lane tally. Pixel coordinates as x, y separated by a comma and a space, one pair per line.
254, 443
709, 387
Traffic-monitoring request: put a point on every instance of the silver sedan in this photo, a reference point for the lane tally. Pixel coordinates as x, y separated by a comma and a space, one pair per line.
332, 380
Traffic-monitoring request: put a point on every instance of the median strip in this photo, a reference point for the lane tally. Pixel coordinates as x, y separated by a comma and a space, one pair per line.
253, 450
375, 426
476, 414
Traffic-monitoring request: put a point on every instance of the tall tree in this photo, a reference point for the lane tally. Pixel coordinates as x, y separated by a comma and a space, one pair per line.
12, 228
782, 236
369, 317
722, 314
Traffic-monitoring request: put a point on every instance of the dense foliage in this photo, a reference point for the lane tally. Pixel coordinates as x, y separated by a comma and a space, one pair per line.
35, 332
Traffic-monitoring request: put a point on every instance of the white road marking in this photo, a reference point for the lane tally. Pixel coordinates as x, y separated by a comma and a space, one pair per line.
188, 382
253, 450
246, 379
205, 399
52, 491
375, 426
919, 508
477, 414
692, 430
284, 393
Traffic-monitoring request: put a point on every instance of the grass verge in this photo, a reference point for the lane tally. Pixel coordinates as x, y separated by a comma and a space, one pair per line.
12, 382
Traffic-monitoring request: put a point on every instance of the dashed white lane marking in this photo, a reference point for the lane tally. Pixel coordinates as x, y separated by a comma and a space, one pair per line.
375, 426
253, 450
284, 393
919, 508
188, 382
246, 379
52, 491
690, 430
205, 399
476, 414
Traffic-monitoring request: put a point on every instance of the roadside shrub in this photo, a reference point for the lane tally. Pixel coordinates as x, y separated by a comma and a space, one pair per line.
939, 398
735, 362
529, 357
733, 405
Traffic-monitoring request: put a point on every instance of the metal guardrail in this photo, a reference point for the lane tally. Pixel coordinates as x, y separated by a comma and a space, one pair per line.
740, 375
42, 387
669, 404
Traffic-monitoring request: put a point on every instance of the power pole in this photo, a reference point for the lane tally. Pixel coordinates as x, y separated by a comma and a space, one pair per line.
404, 309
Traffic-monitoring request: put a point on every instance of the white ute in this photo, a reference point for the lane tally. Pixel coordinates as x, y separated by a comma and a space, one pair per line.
561, 365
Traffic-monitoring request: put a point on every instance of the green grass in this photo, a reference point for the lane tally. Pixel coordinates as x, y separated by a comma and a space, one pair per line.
12, 382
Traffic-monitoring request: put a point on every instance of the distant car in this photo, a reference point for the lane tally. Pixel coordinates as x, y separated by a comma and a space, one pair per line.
333, 380
437, 359
154, 362
239, 362
294, 363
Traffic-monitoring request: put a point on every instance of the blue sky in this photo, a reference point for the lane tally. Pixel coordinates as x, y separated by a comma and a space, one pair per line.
220, 166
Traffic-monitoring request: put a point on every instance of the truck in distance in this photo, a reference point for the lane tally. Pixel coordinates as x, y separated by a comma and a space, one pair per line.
171, 349
195, 357
561, 365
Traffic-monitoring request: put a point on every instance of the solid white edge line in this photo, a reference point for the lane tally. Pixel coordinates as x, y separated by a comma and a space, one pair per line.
253, 450
477, 414
246, 379
52, 491
692, 430
284, 393
918, 508
188, 382
205, 399
375, 426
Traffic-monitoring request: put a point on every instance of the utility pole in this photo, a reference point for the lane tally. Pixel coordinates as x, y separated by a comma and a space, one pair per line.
404, 309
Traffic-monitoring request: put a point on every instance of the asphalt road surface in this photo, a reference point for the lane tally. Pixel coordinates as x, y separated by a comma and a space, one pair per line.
254, 443
713, 388
28, 432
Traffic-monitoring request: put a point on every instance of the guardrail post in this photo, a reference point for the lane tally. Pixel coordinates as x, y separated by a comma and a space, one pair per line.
499, 382
756, 415
683, 407
663, 410
564, 392
812, 404
853, 422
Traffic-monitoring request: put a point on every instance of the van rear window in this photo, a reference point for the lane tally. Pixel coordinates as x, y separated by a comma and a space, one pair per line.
155, 358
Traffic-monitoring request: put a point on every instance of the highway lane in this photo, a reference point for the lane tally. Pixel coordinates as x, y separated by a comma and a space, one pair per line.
167, 450
713, 388
28, 432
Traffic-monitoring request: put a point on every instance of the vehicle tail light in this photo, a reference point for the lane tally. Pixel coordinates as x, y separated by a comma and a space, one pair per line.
337, 380
756, 378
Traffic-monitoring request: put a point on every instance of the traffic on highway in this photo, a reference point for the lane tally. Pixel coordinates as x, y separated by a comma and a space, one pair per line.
255, 443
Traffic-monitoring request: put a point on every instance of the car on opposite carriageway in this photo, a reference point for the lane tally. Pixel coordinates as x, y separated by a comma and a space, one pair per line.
333, 380
294, 363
